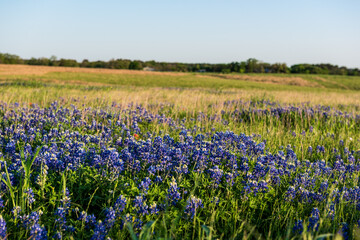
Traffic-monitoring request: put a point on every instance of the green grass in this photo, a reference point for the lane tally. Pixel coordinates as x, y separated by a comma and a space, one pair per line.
187, 81
331, 81
191, 80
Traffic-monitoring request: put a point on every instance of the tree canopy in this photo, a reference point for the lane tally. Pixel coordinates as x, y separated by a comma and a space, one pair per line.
251, 65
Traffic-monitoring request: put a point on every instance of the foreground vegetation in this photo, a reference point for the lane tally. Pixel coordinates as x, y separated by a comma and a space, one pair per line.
86, 156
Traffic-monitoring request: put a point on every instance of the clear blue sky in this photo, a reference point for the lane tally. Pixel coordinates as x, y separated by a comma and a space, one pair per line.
213, 31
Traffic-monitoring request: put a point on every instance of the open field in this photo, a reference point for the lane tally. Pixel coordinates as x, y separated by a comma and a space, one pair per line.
97, 154
43, 85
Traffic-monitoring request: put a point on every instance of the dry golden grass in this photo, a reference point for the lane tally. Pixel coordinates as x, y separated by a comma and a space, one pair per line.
188, 99
192, 99
6, 70
284, 80
12, 69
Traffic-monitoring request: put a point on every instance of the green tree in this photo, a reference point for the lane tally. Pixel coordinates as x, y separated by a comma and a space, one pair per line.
135, 65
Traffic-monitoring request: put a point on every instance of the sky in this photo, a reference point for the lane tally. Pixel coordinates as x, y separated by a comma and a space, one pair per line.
210, 31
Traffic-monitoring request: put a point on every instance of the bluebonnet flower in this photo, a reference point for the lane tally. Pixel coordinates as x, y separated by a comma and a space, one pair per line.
154, 208
110, 218
215, 200
138, 224
82, 216
120, 205
37, 232
230, 178
290, 154
298, 227
90, 219
144, 185
314, 220
320, 149
99, 231
16, 211
152, 170
345, 231
10, 147
140, 205
261, 187
62, 211
31, 219
173, 192
324, 186
60, 216
216, 174
66, 201
1, 202
158, 179
29, 196
193, 203
310, 149
128, 218
2, 228
275, 176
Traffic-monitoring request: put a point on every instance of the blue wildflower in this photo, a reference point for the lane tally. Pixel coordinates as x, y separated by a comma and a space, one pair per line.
1, 202
311, 129
193, 203
345, 231
90, 219
99, 231
110, 218
158, 179
37, 232
60, 216
57, 235
144, 185
154, 209
310, 149
298, 227
173, 192
29, 196
216, 174
314, 220
120, 205
2, 228
82, 216
140, 205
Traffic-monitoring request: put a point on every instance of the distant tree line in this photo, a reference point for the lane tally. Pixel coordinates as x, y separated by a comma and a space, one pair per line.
250, 66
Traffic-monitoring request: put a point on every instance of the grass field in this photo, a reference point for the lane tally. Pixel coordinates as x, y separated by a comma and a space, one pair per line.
45, 84
120, 154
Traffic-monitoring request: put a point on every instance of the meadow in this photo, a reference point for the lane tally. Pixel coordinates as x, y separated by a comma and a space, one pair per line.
120, 154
